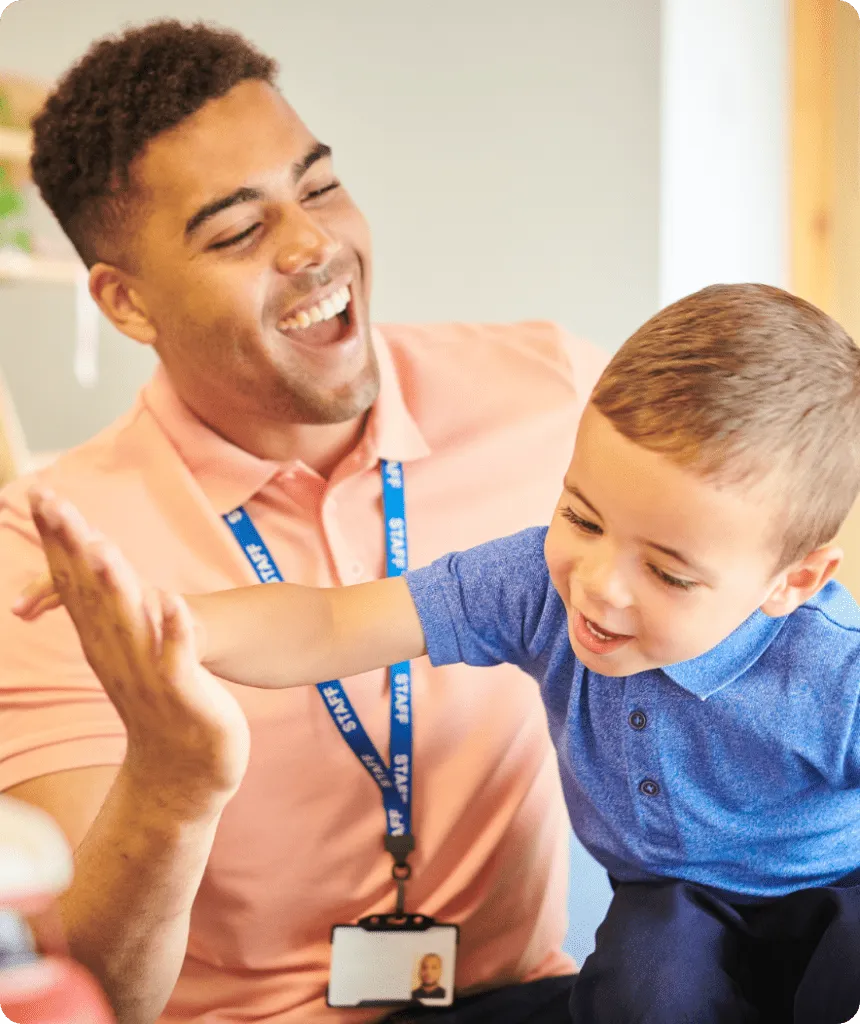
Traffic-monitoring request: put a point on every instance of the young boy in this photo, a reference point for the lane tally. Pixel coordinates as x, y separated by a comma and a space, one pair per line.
699, 668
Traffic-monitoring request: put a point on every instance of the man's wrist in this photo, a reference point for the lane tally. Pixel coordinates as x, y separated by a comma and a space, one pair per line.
164, 803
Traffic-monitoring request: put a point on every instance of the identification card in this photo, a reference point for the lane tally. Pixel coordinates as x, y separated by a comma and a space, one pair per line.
389, 961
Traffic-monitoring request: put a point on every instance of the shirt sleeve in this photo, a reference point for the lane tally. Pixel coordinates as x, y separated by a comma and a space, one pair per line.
487, 605
54, 713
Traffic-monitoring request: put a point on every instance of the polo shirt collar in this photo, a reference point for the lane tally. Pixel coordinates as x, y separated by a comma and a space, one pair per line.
729, 660
230, 476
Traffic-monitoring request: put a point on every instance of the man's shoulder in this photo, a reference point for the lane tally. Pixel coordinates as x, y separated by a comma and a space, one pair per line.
461, 380
87, 473
540, 346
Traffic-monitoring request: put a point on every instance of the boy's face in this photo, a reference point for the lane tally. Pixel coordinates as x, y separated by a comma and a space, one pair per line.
655, 565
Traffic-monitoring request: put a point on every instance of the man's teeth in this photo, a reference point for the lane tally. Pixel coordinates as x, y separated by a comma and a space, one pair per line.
596, 632
325, 310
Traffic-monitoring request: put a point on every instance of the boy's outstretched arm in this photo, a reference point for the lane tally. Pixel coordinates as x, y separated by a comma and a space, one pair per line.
281, 634
274, 635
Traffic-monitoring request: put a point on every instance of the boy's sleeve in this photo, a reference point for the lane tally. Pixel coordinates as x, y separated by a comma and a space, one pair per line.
487, 605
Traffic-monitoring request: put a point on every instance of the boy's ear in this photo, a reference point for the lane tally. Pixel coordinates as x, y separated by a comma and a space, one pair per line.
801, 581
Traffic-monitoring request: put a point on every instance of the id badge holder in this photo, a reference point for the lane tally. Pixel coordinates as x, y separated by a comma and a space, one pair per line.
392, 960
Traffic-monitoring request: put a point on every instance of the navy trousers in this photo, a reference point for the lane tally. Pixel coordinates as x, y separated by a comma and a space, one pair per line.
537, 1002
676, 953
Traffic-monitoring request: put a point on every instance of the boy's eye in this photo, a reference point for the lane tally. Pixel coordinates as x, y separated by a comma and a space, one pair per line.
236, 238
581, 524
672, 581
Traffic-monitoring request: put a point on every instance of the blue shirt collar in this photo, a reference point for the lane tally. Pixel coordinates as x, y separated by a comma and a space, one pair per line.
729, 660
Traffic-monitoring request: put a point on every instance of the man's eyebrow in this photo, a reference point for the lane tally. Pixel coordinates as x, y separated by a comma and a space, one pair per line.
320, 152
207, 212
251, 195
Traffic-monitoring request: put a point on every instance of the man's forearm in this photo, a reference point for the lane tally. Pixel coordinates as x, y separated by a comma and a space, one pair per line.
127, 912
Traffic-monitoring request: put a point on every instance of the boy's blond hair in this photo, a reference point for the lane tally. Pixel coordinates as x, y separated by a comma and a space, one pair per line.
743, 382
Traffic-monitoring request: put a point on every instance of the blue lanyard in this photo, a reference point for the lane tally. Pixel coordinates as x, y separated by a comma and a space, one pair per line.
394, 781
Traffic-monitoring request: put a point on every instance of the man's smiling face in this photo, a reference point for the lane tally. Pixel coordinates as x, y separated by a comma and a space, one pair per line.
254, 264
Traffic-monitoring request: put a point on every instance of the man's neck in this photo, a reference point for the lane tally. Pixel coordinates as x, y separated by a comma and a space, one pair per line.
319, 446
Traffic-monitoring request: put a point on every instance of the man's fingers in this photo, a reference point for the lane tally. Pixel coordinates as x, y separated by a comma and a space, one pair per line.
38, 597
64, 535
178, 646
58, 522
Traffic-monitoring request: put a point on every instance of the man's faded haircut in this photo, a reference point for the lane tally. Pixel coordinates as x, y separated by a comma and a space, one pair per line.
121, 94
742, 382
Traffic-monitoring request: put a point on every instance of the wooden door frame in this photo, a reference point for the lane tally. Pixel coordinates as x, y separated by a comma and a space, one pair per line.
812, 131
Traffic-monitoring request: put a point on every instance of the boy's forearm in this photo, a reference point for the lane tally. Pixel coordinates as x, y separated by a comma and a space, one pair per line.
282, 634
277, 635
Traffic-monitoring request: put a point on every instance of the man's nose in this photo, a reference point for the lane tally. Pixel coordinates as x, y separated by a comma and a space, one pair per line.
304, 244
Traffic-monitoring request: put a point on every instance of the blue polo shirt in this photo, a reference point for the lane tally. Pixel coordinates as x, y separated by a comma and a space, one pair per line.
738, 770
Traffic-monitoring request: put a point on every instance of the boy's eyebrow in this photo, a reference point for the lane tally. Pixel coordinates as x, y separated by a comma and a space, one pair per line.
671, 552
577, 493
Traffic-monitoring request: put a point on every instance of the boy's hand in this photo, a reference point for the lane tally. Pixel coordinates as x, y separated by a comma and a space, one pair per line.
187, 735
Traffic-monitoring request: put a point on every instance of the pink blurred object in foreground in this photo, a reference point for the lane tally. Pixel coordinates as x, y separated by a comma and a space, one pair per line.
39, 983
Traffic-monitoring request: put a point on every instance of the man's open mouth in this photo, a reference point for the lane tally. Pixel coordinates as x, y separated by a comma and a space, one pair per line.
325, 322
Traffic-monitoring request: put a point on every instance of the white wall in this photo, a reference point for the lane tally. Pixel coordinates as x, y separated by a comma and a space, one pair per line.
724, 144
506, 155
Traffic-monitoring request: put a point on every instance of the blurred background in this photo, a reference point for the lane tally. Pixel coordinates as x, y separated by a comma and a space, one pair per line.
564, 159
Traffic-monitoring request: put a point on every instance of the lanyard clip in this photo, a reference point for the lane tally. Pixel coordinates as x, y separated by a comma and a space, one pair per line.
400, 847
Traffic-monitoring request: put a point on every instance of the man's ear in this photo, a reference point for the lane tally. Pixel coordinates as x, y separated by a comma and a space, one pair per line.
121, 303
801, 581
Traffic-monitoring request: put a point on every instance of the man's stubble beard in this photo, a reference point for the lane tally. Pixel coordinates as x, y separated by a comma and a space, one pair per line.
301, 402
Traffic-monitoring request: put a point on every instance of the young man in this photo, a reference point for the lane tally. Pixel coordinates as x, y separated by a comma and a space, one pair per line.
699, 667
217, 231
430, 971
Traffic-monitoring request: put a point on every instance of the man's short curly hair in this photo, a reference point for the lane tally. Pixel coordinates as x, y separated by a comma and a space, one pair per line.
122, 93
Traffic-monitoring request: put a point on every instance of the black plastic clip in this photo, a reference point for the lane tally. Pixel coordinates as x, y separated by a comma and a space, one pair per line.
400, 847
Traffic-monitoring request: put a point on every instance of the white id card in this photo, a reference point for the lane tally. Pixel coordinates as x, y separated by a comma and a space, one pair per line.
389, 961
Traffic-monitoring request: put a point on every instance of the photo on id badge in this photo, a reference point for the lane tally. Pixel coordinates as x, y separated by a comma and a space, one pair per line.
373, 966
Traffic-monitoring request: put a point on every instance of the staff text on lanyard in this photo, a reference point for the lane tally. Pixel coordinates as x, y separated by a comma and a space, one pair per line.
395, 779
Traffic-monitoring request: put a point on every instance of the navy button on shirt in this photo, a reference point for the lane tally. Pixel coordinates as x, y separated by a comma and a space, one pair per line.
738, 770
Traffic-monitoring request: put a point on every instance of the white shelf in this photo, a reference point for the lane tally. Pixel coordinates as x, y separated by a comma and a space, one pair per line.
15, 145
21, 267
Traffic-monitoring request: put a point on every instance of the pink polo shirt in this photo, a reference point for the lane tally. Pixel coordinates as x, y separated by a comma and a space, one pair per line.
483, 418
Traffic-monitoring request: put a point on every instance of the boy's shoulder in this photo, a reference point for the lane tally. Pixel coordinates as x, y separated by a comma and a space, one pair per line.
832, 610
825, 630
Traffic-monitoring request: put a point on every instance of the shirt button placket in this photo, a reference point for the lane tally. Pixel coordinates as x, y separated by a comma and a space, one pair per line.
650, 788
638, 720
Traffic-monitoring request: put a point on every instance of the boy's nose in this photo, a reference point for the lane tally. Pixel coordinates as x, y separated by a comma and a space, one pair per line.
603, 585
